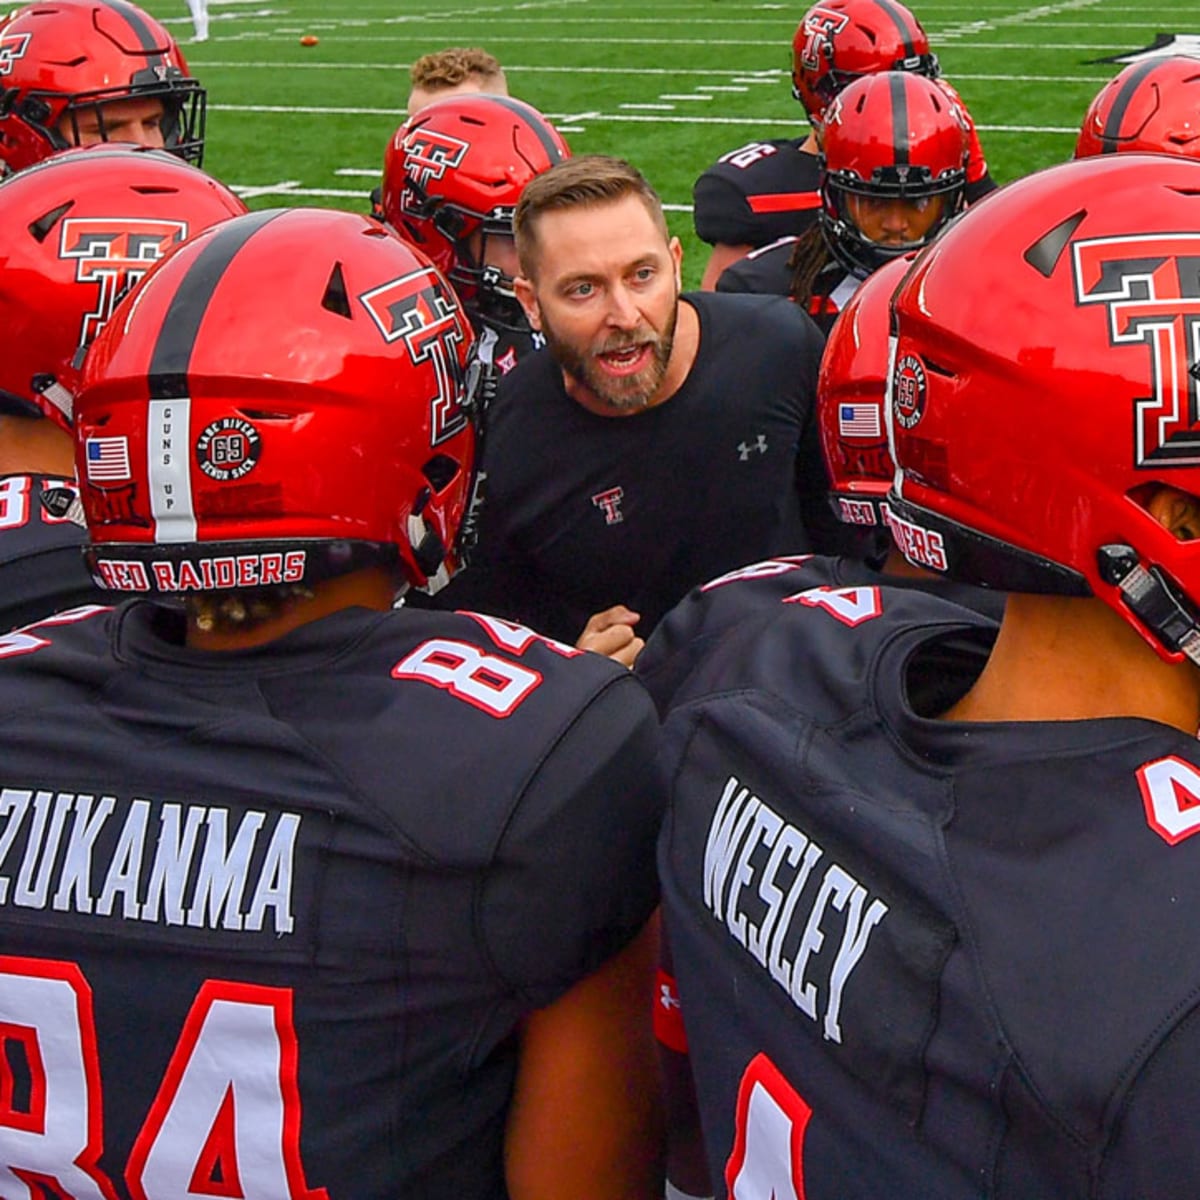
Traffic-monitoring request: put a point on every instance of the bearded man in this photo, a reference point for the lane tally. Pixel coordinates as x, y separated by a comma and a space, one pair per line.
663, 440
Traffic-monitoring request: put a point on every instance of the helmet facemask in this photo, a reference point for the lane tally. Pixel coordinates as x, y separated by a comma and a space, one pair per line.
914, 185
184, 104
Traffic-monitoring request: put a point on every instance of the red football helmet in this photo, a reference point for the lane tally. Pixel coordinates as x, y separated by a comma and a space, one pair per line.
1044, 383
840, 40
892, 136
850, 394
63, 59
456, 170
81, 228
1150, 105
282, 399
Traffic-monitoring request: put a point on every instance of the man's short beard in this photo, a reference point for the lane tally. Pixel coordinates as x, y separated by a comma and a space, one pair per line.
626, 394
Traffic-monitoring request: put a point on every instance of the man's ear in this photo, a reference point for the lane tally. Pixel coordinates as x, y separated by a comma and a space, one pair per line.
676, 248
527, 297
1175, 511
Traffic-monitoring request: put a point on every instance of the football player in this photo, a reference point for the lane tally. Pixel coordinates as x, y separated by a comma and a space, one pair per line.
894, 173
77, 72
767, 190
76, 232
929, 888
452, 176
351, 899
1152, 105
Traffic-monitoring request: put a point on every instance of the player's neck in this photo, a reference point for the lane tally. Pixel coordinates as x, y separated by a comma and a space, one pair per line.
35, 446
1064, 659
373, 587
896, 564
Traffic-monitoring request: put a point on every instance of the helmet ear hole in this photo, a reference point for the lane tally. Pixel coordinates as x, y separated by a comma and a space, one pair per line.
40, 229
336, 300
441, 471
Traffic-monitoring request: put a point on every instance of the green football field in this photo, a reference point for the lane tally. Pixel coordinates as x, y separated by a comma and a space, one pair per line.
669, 88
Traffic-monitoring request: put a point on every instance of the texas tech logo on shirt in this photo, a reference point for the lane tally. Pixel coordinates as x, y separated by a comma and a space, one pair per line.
114, 253
420, 308
1150, 287
609, 503
819, 27
12, 47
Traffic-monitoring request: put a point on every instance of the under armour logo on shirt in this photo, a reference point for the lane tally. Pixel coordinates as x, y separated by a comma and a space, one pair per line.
745, 449
538, 340
609, 503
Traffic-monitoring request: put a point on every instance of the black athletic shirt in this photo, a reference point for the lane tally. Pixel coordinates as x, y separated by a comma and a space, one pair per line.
582, 511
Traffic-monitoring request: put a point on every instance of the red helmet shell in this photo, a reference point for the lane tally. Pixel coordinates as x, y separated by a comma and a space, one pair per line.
81, 228
850, 400
460, 165
116, 51
280, 400
1044, 378
840, 40
891, 134
1153, 105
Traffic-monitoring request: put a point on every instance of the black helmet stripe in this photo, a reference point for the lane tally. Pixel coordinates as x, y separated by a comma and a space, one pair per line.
898, 89
1110, 138
137, 22
553, 153
906, 34
173, 351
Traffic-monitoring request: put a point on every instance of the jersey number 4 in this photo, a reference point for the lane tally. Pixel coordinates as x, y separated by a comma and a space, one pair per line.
225, 1121
851, 605
767, 1162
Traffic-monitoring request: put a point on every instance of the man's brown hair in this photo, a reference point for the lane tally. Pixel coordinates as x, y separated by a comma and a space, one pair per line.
588, 181
450, 67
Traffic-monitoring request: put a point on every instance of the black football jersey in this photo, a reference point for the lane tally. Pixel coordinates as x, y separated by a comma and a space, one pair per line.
927, 959
757, 194
714, 609
768, 271
41, 560
269, 918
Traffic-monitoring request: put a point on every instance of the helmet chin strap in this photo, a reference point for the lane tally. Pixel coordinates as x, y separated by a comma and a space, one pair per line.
1154, 599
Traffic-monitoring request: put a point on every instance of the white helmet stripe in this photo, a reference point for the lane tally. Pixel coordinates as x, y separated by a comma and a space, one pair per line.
169, 471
